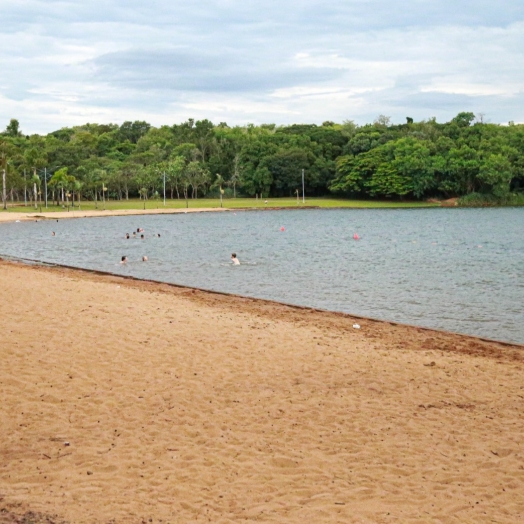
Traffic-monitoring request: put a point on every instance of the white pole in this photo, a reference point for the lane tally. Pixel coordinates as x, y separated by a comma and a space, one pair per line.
4, 194
303, 192
164, 188
45, 185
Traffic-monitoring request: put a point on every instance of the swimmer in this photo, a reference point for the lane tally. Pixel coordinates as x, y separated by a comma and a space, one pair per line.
134, 234
142, 237
53, 234
234, 259
127, 236
123, 260
144, 258
158, 235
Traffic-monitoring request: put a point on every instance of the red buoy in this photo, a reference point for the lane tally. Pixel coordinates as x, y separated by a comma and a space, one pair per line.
282, 228
356, 237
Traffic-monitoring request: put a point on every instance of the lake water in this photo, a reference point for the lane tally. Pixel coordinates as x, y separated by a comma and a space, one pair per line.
455, 269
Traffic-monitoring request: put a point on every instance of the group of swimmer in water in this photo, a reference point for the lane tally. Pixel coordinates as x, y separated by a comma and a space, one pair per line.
134, 234
123, 260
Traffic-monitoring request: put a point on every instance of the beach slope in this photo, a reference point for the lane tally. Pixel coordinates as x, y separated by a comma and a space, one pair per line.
130, 402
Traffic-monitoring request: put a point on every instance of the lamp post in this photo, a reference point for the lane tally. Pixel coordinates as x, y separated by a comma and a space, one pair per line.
303, 191
4, 191
45, 185
164, 188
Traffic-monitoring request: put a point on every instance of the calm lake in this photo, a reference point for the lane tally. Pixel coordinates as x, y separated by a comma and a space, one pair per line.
455, 269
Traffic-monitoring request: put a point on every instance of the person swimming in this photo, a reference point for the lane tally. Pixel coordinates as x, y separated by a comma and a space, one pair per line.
123, 260
134, 234
53, 234
142, 237
234, 259
127, 236
144, 258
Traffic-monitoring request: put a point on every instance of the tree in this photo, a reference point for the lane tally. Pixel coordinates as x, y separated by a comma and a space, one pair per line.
174, 170
464, 119
286, 168
347, 179
235, 175
133, 131
13, 128
35, 180
411, 159
59, 182
464, 167
77, 188
382, 120
197, 177
495, 171
218, 183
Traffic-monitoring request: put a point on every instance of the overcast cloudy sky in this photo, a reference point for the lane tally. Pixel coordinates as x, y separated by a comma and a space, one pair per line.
279, 61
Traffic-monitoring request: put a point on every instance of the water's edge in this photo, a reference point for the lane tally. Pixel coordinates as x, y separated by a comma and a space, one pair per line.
37, 263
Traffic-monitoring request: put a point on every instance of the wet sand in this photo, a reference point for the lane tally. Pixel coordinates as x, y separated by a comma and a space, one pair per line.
130, 402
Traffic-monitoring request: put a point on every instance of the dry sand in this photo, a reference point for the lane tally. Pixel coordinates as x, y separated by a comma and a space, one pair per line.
184, 406
31, 216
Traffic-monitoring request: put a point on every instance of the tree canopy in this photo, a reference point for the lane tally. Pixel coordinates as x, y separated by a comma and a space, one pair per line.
415, 160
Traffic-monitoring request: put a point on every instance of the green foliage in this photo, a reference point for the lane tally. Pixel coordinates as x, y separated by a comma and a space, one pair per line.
490, 200
13, 128
413, 160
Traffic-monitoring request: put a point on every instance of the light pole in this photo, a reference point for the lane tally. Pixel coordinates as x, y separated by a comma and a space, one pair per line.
4, 190
45, 185
303, 192
4, 194
164, 188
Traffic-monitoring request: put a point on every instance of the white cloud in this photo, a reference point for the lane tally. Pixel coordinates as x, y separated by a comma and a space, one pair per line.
63, 63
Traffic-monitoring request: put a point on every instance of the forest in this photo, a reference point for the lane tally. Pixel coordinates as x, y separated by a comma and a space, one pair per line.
481, 163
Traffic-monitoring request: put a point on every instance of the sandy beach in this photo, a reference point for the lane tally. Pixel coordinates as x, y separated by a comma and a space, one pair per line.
129, 402
57, 215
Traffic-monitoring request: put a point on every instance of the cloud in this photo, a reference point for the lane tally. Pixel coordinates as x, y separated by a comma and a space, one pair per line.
300, 61
206, 70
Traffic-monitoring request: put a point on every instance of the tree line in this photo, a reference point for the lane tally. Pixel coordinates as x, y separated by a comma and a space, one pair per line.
464, 157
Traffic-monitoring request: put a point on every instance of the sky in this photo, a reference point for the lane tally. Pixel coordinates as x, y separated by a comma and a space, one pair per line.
69, 62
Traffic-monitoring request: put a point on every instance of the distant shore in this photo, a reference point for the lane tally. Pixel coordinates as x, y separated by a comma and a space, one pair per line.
52, 215
136, 207
129, 400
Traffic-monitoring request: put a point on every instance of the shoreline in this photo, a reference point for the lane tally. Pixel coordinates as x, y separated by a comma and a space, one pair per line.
60, 215
127, 400
309, 309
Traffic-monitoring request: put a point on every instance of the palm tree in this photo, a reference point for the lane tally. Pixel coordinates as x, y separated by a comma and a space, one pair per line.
59, 181
218, 183
77, 188
35, 179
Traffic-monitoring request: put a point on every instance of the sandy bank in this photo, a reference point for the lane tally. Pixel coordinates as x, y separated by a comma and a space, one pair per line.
180, 406
12, 217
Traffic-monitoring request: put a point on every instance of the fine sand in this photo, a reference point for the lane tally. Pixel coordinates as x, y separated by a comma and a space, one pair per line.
130, 402
32, 216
